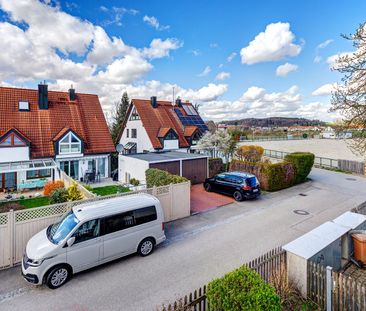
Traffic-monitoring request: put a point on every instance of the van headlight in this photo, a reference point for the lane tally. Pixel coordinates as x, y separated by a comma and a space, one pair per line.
37, 262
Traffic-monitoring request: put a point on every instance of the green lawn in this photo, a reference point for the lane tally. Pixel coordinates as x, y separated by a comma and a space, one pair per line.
25, 203
108, 190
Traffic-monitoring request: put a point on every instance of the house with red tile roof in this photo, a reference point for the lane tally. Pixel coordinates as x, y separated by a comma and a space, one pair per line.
43, 131
153, 125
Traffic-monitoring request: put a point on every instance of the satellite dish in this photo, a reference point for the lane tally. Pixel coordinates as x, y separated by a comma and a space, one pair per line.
119, 148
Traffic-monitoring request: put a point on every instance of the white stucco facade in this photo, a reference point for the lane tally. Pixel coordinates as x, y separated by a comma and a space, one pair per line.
142, 140
14, 154
129, 167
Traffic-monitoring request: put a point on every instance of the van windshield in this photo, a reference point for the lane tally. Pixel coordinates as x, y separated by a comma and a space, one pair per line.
58, 231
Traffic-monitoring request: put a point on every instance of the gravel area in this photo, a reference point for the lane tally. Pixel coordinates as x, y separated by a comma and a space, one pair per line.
327, 148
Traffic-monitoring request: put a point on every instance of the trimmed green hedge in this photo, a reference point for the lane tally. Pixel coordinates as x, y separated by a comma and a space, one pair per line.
271, 176
303, 162
215, 166
156, 177
242, 289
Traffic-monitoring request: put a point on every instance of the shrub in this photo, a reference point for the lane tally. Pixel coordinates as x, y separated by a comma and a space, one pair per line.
250, 153
156, 177
74, 193
134, 182
242, 289
59, 195
271, 176
51, 186
215, 166
303, 163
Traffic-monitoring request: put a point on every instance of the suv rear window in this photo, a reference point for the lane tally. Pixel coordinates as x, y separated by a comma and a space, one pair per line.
251, 181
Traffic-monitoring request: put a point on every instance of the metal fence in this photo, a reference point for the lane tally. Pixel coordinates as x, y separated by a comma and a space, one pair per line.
17, 227
333, 291
321, 162
265, 266
271, 138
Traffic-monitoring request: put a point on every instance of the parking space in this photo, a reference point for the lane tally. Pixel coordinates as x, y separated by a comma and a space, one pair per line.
202, 201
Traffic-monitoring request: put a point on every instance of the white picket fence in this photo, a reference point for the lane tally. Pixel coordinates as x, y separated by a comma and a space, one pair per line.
17, 227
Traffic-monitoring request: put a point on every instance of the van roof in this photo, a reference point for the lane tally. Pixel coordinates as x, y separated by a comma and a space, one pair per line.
107, 207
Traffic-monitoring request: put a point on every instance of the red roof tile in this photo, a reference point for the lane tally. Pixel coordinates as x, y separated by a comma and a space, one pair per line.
83, 116
190, 130
163, 131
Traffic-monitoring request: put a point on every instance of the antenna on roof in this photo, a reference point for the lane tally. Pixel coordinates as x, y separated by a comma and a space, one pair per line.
173, 101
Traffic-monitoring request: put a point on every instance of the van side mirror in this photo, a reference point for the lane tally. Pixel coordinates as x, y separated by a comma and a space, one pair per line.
70, 241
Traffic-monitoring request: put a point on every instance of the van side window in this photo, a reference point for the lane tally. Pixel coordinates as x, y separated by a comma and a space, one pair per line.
145, 214
129, 219
87, 231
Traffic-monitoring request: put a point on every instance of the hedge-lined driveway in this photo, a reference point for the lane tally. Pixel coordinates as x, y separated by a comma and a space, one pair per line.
198, 249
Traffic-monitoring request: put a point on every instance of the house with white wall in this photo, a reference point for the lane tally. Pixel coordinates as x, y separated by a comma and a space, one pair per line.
43, 131
153, 125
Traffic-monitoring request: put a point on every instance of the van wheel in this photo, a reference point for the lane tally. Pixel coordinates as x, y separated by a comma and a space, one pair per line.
238, 196
58, 276
146, 247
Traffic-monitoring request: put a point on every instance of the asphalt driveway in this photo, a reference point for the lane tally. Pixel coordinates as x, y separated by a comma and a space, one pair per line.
198, 249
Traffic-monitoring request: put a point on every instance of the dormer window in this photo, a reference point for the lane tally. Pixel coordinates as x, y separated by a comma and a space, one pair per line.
23, 106
12, 140
70, 144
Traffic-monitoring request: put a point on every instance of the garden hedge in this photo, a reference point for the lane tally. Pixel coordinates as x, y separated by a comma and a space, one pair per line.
215, 166
242, 289
303, 162
156, 177
271, 176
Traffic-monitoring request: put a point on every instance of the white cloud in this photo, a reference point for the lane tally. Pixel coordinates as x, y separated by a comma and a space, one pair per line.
317, 59
257, 102
161, 48
195, 52
214, 45
324, 44
324, 90
116, 14
153, 22
285, 69
205, 71
275, 43
39, 41
222, 76
231, 56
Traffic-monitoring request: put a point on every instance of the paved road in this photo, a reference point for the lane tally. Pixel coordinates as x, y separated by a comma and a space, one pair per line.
198, 249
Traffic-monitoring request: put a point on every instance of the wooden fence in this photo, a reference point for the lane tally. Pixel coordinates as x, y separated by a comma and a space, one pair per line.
346, 294
265, 266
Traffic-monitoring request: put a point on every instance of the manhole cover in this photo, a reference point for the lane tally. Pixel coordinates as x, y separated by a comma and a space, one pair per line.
303, 194
350, 178
301, 212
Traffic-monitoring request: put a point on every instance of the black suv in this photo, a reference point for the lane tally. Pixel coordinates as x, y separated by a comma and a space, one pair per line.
238, 184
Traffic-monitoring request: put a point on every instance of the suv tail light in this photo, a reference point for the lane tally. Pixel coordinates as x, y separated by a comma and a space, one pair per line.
247, 187
162, 226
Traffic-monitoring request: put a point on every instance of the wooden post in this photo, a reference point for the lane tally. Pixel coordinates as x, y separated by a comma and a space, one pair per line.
329, 283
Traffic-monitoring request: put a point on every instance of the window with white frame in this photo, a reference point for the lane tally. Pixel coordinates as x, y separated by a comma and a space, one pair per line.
69, 144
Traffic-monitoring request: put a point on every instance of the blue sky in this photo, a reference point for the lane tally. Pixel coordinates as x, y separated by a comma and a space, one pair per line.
149, 47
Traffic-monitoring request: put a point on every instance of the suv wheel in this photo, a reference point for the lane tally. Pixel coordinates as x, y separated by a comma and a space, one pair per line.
207, 187
146, 247
238, 196
58, 276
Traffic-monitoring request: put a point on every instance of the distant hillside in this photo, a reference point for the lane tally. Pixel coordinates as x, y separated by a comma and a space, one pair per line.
274, 122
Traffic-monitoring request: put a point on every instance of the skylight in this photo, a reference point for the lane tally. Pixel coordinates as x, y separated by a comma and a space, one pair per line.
24, 106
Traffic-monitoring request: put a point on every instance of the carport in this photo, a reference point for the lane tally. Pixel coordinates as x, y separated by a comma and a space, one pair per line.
191, 166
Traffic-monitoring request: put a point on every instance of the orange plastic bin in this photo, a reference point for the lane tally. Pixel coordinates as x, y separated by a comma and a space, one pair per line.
359, 244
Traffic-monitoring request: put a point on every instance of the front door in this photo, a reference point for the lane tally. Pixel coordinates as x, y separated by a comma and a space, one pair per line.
87, 248
9, 181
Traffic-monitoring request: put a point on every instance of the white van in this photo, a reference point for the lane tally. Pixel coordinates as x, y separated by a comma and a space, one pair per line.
91, 234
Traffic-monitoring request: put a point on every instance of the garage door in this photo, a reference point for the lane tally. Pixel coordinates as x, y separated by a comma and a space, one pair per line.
171, 167
195, 170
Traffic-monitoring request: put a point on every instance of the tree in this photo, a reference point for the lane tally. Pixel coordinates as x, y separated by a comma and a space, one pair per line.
218, 142
349, 98
118, 117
